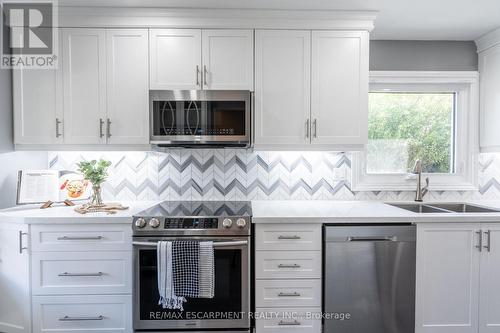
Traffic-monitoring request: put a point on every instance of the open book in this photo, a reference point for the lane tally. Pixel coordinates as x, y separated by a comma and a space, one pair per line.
39, 186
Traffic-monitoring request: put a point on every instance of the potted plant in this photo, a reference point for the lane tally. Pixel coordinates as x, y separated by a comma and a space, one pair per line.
96, 173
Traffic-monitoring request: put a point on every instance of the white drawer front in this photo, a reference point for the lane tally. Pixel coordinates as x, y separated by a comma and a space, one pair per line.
288, 237
82, 273
288, 264
297, 320
86, 237
287, 293
92, 314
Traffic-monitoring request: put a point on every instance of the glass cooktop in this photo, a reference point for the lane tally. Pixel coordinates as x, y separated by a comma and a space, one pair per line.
198, 208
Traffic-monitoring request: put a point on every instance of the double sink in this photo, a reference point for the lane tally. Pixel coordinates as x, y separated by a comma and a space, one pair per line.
444, 208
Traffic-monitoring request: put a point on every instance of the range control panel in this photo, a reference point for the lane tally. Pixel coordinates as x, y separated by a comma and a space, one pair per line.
191, 223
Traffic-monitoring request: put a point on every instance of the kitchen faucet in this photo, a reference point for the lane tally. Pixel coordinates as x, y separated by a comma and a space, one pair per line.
421, 191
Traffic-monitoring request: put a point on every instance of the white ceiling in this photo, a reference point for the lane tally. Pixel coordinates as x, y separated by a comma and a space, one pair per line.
397, 19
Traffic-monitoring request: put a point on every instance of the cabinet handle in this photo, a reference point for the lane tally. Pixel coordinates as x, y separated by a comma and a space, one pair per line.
80, 238
315, 124
307, 129
488, 247
205, 74
21, 247
58, 133
101, 124
108, 127
480, 241
294, 294
197, 75
289, 323
66, 274
288, 266
289, 237
68, 318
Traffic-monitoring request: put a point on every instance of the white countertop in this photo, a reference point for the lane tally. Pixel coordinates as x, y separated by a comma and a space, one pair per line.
269, 211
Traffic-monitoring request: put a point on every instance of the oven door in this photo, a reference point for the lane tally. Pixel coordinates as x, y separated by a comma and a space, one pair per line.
228, 309
197, 117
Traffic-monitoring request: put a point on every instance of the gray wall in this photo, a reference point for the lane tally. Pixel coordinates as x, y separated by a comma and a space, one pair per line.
395, 55
10, 161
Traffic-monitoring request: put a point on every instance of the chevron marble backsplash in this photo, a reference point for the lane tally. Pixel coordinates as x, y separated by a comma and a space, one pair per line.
237, 174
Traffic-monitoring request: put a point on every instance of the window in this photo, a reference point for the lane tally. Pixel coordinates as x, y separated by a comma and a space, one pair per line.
431, 116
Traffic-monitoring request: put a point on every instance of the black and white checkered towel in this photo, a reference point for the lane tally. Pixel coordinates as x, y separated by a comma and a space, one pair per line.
185, 269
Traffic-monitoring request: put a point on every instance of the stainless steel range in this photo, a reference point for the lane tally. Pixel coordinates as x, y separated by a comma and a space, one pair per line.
227, 224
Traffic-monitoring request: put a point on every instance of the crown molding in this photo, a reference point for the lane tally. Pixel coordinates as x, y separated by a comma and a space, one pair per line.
121, 17
488, 40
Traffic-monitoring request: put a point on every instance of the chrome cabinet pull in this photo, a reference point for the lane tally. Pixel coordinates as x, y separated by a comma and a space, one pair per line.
66, 274
289, 323
58, 133
108, 127
205, 74
294, 294
480, 245
21, 247
289, 266
101, 131
197, 75
80, 238
307, 129
68, 318
315, 124
488, 247
289, 237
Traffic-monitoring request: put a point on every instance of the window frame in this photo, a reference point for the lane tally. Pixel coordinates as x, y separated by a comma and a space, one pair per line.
465, 83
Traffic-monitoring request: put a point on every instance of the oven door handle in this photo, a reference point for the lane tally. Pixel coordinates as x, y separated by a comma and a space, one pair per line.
216, 244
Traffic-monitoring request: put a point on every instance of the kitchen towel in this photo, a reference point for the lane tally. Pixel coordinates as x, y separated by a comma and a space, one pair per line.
185, 269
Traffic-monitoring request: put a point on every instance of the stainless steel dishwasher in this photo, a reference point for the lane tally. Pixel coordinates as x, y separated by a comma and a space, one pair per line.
370, 278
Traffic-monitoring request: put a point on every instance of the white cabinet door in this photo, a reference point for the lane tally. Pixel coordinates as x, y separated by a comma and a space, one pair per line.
84, 78
175, 59
339, 105
227, 59
447, 278
15, 298
489, 298
37, 101
489, 68
127, 86
282, 87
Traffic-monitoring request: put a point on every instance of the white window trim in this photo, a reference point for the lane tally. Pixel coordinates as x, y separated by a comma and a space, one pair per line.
465, 178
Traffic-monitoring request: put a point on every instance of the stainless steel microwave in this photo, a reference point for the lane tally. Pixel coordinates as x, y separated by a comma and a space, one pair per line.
197, 118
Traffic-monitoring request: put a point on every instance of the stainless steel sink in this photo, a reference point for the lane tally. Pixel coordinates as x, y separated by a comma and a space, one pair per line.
444, 208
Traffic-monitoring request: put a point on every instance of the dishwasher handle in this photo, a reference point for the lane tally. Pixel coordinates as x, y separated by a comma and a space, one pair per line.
371, 238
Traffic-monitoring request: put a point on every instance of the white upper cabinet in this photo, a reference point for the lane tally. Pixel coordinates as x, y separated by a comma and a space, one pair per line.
37, 99
127, 86
175, 59
84, 73
489, 68
227, 59
282, 88
339, 101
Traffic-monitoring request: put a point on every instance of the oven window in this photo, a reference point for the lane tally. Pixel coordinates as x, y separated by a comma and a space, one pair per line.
216, 118
228, 289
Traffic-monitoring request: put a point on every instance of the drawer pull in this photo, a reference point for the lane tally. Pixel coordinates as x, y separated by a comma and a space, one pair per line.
68, 318
80, 238
289, 323
294, 294
288, 266
81, 274
289, 237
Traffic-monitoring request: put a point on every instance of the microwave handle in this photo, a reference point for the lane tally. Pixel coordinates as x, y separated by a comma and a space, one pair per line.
216, 244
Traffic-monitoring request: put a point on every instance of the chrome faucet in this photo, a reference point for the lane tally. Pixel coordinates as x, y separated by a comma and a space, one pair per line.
421, 191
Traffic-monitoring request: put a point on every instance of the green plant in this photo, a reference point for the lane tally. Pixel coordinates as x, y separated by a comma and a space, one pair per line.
94, 171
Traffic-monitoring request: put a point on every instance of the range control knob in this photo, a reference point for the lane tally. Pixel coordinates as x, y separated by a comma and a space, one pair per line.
154, 223
227, 223
140, 222
241, 223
